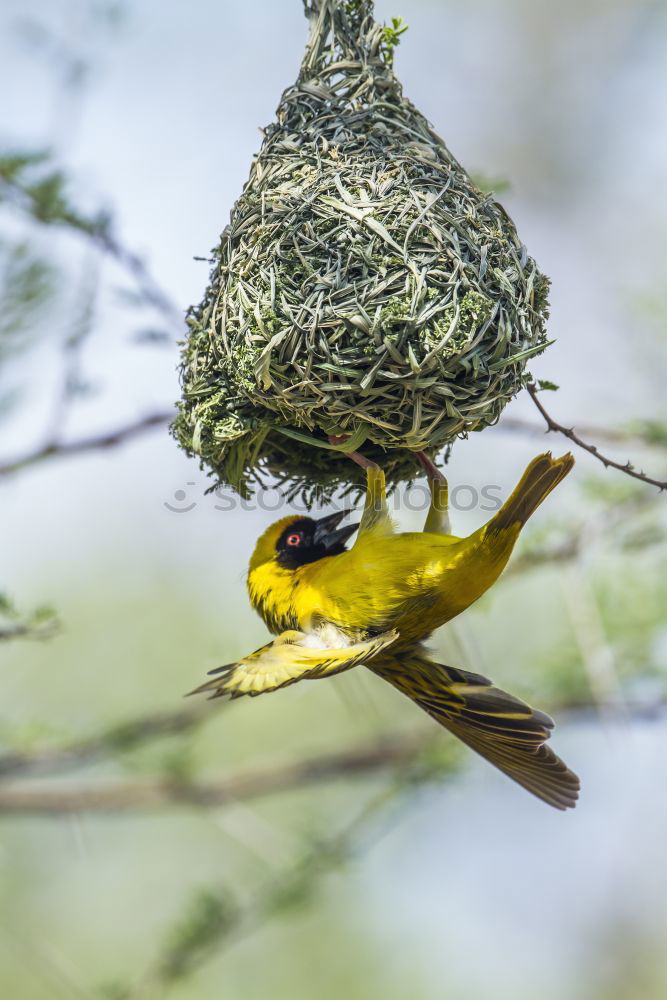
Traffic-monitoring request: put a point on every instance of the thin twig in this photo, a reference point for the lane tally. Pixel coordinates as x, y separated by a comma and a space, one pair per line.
121, 737
154, 794
569, 432
564, 552
100, 442
26, 630
614, 435
149, 290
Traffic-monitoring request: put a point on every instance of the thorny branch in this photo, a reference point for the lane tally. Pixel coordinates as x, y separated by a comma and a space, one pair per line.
570, 433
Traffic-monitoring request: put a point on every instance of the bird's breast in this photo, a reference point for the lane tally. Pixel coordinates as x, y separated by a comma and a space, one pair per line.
410, 582
272, 595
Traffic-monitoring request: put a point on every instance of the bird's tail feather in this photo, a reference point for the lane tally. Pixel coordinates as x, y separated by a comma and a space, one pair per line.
542, 476
503, 729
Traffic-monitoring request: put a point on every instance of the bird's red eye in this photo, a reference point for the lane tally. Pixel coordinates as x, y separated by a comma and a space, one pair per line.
294, 539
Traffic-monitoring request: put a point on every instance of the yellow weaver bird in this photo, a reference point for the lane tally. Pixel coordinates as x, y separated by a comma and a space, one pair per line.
333, 608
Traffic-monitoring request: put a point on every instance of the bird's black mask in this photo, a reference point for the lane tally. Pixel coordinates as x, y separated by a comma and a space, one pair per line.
307, 540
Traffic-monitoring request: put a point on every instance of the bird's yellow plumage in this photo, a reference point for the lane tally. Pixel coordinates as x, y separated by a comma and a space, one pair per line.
376, 603
413, 581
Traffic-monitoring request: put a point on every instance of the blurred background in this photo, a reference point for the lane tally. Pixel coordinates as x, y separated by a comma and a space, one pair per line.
329, 840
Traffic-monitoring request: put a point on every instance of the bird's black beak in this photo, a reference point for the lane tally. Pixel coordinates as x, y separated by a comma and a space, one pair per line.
329, 535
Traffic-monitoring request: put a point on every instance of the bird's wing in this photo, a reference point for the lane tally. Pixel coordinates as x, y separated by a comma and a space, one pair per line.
502, 728
291, 657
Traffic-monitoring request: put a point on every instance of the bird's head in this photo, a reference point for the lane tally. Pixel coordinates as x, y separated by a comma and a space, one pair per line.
294, 541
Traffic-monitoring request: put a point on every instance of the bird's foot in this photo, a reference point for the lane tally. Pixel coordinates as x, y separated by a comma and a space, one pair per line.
431, 468
437, 519
356, 456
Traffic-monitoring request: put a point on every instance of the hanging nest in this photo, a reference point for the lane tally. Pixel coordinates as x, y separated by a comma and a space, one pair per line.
364, 285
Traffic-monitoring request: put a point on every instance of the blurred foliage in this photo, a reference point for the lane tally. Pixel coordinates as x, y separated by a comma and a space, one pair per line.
30, 182
208, 917
27, 285
41, 623
391, 37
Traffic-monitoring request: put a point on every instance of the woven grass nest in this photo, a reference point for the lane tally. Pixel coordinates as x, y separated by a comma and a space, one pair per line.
364, 285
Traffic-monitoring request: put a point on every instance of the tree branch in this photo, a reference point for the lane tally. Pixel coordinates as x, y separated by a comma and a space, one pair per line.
100, 442
569, 432
154, 794
125, 736
29, 630
646, 433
